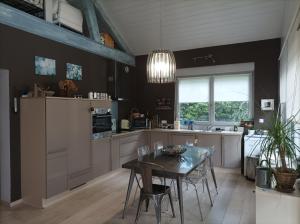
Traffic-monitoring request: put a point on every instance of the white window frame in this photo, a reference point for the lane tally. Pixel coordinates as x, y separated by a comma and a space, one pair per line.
214, 71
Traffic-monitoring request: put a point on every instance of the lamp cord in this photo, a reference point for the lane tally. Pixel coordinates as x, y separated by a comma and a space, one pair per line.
160, 24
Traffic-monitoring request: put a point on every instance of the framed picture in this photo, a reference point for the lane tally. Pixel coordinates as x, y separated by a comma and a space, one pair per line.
45, 66
267, 104
74, 72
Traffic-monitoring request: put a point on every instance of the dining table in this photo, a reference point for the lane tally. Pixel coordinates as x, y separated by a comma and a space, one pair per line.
176, 167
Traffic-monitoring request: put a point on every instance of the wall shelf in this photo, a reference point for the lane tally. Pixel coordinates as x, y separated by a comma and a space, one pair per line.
23, 21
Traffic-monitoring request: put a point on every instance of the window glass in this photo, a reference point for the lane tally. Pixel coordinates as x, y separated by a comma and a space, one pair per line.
193, 99
231, 97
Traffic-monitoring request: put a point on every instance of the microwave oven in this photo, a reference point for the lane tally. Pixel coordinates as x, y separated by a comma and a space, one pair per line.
139, 123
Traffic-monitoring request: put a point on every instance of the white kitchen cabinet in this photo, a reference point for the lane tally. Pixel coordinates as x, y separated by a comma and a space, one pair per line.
162, 137
79, 144
101, 157
231, 151
181, 138
56, 152
209, 140
124, 147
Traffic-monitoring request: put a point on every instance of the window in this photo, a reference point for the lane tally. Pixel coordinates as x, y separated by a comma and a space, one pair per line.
215, 99
231, 98
194, 99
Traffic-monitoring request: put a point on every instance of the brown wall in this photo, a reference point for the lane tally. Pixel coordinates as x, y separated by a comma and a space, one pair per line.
263, 53
17, 52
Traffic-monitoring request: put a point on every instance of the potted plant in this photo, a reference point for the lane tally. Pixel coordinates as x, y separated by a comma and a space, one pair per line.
279, 151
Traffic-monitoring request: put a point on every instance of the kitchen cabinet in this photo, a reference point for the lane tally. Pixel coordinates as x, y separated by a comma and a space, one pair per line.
79, 142
124, 147
101, 157
56, 148
231, 151
162, 137
181, 138
209, 140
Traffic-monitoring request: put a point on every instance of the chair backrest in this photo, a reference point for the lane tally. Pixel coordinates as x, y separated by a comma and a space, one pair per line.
145, 169
143, 151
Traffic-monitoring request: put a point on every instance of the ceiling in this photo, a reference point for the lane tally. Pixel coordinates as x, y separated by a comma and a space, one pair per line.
189, 24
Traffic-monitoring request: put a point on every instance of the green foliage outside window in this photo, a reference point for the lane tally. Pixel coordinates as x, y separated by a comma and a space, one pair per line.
194, 111
230, 111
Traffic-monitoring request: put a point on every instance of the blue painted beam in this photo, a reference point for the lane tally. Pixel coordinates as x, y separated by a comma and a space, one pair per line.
88, 9
23, 21
113, 31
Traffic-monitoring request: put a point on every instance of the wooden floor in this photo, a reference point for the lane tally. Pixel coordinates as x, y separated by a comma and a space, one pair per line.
102, 200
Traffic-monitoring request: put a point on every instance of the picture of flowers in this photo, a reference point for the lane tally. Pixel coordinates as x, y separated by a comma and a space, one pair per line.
45, 66
74, 72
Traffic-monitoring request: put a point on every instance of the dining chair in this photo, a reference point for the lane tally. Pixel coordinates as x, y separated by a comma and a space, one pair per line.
151, 191
199, 175
210, 160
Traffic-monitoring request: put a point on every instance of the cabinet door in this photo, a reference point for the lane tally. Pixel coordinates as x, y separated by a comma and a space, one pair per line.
115, 153
79, 131
231, 152
57, 144
57, 126
180, 139
208, 140
57, 175
159, 137
101, 158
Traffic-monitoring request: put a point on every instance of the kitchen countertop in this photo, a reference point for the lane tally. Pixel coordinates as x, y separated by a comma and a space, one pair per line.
183, 131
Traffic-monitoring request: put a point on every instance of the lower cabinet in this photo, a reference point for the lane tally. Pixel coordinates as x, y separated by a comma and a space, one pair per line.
57, 173
179, 139
161, 137
101, 159
124, 148
231, 148
215, 140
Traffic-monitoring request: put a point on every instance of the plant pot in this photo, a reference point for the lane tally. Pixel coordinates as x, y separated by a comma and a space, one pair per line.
285, 180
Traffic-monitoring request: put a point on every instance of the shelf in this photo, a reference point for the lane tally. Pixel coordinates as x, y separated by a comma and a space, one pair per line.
23, 21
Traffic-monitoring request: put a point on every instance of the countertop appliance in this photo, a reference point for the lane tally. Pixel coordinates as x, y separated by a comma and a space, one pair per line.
125, 124
101, 123
139, 123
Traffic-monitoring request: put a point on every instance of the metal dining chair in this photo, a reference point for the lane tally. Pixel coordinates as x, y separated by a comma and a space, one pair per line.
150, 191
199, 175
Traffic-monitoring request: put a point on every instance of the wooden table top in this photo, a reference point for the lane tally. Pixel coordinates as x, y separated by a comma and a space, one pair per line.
174, 166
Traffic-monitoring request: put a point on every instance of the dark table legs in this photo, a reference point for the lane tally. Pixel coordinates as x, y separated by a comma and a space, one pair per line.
130, 183
180, 198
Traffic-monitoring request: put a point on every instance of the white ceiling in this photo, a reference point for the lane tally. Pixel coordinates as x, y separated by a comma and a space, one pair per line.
189, 24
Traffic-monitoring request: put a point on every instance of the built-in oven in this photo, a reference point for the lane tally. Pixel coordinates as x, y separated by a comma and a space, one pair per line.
101, 123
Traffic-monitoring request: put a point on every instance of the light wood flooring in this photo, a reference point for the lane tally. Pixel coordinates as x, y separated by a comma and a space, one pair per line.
102, 201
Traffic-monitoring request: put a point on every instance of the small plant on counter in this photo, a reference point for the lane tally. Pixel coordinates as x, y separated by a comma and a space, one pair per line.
280, 152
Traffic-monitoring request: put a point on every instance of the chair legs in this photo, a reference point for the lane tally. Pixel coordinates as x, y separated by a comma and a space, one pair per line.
138, 209
206, 182
157, 206
171, 202
214, 178
198, 200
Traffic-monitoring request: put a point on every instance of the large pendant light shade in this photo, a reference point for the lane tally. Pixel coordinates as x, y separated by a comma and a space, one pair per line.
161, 67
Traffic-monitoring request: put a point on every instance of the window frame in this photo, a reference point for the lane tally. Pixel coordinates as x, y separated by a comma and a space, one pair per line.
211, 102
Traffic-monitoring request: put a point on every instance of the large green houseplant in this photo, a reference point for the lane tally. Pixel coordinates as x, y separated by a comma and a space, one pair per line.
279, 151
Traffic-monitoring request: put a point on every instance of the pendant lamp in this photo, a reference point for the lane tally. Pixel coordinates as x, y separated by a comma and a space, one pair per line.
161, 64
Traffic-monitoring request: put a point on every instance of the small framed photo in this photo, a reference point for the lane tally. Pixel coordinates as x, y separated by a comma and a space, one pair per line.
267, 104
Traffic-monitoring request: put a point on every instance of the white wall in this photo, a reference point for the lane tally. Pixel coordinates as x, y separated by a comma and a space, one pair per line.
290, 60
4, 137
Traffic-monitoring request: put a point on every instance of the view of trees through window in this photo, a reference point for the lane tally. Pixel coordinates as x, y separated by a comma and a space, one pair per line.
231, 111
230, 97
